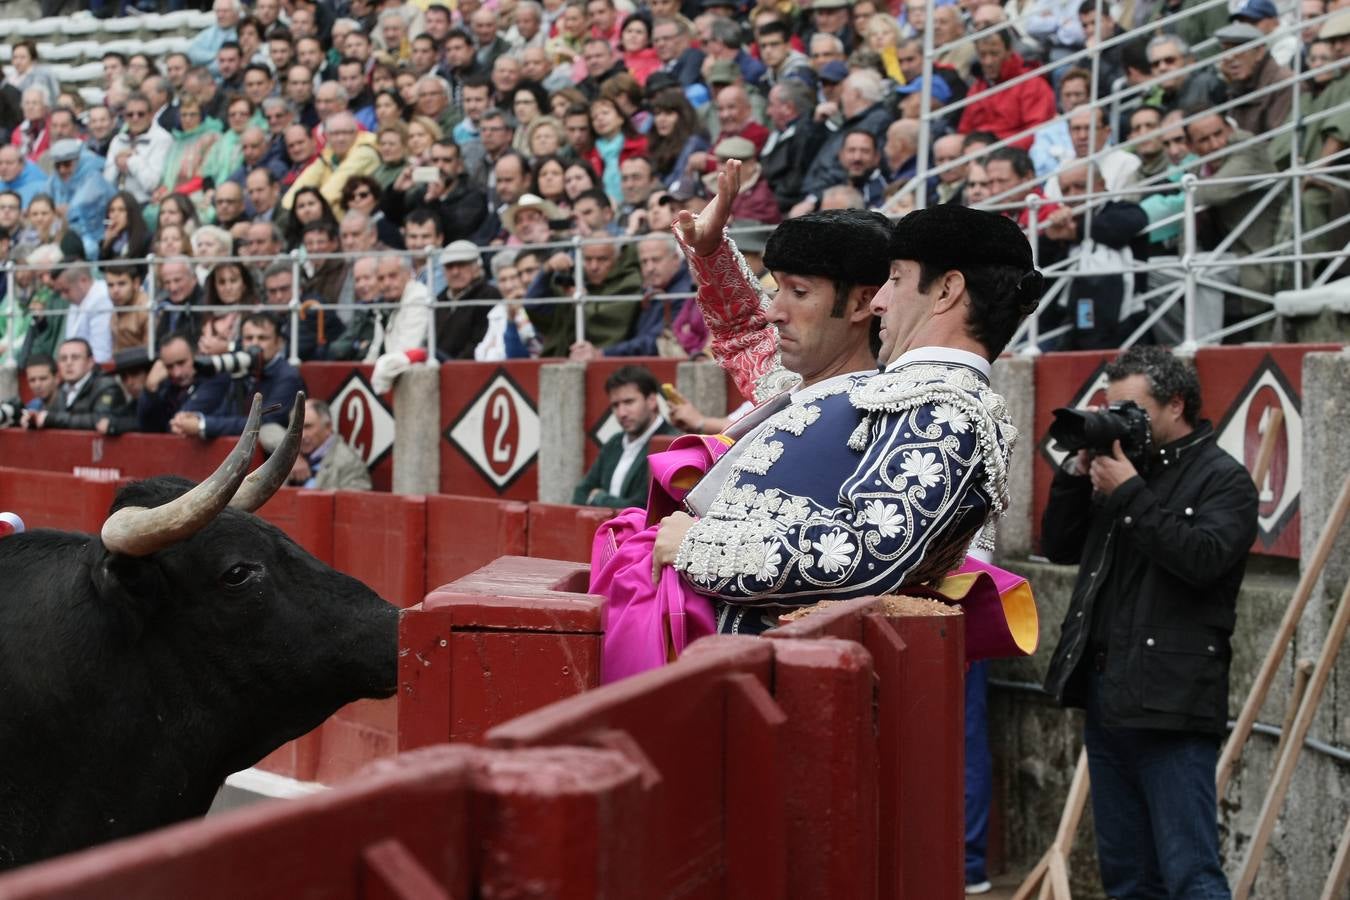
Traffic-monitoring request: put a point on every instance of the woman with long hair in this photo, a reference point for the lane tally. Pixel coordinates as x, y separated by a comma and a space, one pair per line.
676, 133
422, 133
547, 180
635, 41
309, 206
42, 224
578, 178
228, 284
125, 234
546, 137
615, 141
178, 210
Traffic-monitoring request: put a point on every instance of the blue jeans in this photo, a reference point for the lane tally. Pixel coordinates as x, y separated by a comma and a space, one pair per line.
979, 772
1154, 810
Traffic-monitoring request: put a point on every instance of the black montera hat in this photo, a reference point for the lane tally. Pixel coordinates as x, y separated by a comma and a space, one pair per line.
846, 245
951, 236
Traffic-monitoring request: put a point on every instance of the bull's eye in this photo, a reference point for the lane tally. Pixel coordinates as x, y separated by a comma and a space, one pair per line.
236, 575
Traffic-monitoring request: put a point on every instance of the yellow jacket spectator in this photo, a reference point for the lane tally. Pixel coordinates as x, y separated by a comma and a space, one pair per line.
348, 152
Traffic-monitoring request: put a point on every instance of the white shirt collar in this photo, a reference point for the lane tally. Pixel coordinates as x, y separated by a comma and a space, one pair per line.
943, 355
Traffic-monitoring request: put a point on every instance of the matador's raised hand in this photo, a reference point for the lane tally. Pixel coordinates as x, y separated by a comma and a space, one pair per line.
704, 232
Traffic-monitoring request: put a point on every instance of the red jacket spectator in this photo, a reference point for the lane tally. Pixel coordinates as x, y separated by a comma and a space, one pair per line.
1015, 110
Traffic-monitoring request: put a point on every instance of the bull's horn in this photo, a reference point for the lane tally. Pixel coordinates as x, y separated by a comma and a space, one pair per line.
137, 531
259, 486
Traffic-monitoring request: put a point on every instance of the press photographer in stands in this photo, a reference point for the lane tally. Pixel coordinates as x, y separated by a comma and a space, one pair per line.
1159, 519
220, 405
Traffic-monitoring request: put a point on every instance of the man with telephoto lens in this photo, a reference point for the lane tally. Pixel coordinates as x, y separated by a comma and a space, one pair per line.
1144, 647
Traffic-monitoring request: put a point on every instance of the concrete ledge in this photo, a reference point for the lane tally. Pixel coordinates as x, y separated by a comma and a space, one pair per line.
1015, 378
562, 430
417, 437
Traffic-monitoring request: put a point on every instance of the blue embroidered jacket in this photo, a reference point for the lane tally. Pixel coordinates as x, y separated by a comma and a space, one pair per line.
865, 484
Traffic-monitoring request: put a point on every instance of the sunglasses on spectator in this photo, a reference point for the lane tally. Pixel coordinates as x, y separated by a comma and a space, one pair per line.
362, 194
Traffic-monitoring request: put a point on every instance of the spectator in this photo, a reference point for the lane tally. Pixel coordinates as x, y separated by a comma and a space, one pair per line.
578, 178
172, 380
1011, 113
459, 206
102, 129
1249, 71
227, 205
977, 188
320, 329
300, 93
363, 337
1146, 142
899, 158
608, 271
1102, 311
861, 102
726, 41
774, 40
125, 234
264, 195
175, 307
948, 28
32, 137
635, 40
433, 100
1055, 24
637, 181
41, 224
360, 101
547, 180
204, 47
601, 64
1012, 181
594, 214
528, 102
1264, 16
1176, 144
1118, 169
1202, 87
77, 186
619, 476
220, 405
792, 144
89, 316
460, 327
262, 242
84, 395
21, 177
672, 40
256, 150
30, 74
131, 319
40, 374
950, 182
615, 141
131, 369
325, 461
407, 326
530, 220
1053, 145
229, 68
664, 271
348, 152
137, 154
187, 152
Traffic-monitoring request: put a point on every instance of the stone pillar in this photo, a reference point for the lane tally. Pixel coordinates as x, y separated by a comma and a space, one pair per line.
9, 382
703, 384
417, 431
1326, 460
562, 430
1015, 378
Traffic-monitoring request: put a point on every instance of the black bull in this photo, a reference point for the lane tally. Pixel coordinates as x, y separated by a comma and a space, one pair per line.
137, 673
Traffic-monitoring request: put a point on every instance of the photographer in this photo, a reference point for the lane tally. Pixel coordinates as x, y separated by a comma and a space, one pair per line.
220, 403
1160, 523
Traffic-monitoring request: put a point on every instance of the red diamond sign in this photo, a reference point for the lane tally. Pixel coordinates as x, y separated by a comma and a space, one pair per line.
498, 432
362, 419
1241, 433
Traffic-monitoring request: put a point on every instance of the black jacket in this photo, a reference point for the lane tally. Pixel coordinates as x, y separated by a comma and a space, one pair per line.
786, 158
461, 211
1161, 560
459, 329
101, 397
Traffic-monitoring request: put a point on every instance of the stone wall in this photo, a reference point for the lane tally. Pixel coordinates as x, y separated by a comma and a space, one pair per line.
1035, 745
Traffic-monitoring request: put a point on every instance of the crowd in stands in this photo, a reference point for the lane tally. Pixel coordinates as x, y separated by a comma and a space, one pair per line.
475, 134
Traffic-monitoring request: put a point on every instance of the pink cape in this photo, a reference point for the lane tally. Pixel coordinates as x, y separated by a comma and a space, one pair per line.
647, 625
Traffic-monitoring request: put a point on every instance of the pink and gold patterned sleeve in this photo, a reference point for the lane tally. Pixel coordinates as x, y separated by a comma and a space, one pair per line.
733, 304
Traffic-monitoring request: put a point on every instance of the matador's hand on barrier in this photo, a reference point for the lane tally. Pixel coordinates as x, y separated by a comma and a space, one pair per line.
704, 233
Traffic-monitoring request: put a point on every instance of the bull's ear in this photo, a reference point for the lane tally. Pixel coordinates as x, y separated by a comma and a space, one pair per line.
132, 588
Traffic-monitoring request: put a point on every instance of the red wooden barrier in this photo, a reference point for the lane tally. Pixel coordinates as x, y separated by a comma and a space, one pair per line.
920, 665
54, 500
128, 455
490, 420
446, 822
381, 539
563, 531
306, 516
705, 834
466, 533
510, 638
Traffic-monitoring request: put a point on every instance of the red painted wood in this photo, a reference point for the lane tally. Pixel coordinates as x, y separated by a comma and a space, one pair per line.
466, 533
381, 539
56, 500
306, 516
563, 531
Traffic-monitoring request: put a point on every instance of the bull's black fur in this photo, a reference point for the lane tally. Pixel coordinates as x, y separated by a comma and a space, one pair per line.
129, 688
